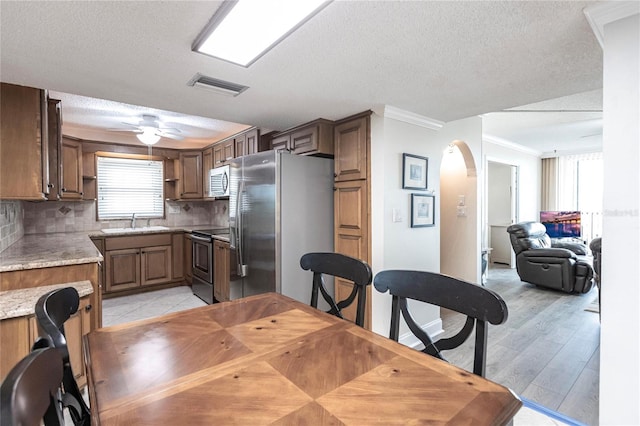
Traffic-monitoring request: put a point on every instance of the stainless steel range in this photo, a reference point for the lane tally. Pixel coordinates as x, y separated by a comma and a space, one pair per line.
202, 249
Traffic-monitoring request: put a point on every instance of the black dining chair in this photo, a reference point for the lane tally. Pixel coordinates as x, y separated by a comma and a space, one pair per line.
480, 304
52, 310
29, 393
340, 266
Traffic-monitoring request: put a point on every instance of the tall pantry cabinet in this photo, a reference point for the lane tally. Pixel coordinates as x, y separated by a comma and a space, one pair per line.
352, 223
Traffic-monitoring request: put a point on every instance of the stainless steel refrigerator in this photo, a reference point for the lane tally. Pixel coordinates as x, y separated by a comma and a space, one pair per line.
280, 207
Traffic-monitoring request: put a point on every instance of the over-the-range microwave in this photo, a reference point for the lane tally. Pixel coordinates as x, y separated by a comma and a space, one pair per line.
219, 182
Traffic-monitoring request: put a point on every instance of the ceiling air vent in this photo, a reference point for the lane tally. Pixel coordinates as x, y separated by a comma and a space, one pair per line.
219, 86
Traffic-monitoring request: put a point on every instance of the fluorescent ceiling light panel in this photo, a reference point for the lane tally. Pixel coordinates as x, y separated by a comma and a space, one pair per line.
242, 31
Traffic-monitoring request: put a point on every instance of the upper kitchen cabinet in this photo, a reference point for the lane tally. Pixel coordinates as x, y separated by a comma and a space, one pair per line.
246, 143
71, 183
223, 152
190, 182
207, 164
55, 137
351, 138
24, 160
89, 176
314, 138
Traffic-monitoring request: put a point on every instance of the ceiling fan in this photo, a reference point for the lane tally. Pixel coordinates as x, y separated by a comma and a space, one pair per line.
149, 130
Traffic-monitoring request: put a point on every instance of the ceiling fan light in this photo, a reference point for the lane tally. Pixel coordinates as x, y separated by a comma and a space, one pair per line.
148, 137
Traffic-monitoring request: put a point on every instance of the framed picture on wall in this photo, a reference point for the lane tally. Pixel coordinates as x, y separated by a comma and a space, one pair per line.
414, 172
422, 210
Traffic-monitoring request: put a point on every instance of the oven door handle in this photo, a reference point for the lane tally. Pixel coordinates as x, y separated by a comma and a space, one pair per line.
201, 239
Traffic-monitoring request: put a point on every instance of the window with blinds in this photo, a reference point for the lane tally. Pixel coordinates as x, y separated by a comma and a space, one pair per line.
127, 186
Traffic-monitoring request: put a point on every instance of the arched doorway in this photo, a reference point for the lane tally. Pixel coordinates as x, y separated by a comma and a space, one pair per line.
459, 213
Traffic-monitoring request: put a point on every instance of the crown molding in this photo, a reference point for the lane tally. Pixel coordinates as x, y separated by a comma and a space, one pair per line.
411, 118
603, 13
511, 145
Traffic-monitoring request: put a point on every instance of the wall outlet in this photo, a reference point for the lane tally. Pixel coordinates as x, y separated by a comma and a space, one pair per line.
461, 200
462, 211
174, 209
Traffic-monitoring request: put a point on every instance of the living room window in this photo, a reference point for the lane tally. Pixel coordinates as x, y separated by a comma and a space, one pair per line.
580, 188
129, 185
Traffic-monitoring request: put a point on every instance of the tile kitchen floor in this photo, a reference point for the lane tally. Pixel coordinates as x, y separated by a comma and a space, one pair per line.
118, 310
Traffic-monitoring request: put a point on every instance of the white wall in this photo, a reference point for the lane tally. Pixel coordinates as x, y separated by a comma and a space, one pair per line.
620, 324
397, 245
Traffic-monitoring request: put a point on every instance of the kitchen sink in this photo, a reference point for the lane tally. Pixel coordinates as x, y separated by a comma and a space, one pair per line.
132, 230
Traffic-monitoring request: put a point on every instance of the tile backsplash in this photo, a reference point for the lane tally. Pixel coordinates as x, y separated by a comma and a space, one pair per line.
79, 216
11, 222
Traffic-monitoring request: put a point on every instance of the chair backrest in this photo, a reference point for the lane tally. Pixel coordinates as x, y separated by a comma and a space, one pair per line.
596, 249
52, 310
341, 266
528, 235
480, 304
29, 393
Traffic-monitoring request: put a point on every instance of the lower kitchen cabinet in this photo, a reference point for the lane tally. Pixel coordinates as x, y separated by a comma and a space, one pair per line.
188, 257
155, 265
221, 274
18, 335
123, 269
140, 261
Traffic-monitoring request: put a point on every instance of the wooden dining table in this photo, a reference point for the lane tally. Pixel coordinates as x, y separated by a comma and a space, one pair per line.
268, 359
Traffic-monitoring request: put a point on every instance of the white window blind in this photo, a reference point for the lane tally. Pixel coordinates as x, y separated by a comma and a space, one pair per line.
127, 186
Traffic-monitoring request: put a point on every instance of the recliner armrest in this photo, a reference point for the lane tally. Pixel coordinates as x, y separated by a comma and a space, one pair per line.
577, 248
549, 252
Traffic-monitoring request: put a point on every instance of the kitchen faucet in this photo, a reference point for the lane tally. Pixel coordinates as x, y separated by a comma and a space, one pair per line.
133, 221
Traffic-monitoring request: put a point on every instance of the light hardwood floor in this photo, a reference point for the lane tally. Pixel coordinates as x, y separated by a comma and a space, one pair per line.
548, 349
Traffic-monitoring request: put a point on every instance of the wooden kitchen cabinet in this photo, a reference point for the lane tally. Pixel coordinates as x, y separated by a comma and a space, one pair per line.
155, 265
207, 164
71, 183
89, 176
247, 143
190, 175
171, 173
18, 335
352, 187
54, 116
188, 259
351, 141
24, 159
221, 274
223, 152
314, 138
281, 141
177, 256
134, 262
122, 269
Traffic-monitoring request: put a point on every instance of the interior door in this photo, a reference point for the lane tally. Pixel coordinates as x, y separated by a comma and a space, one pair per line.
502, 210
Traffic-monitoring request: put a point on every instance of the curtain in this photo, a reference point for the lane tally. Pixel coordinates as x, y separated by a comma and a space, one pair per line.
549, 184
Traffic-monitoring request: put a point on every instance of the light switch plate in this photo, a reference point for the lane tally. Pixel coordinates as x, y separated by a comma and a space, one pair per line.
461, 200
396, 216
462, 211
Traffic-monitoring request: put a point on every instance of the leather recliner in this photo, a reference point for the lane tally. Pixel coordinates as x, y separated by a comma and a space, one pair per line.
555, 266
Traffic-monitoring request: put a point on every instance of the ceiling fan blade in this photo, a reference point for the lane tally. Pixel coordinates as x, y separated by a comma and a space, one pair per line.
170, 135
115, 129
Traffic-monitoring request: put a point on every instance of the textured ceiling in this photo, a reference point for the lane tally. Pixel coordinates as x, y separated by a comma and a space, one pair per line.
444, 60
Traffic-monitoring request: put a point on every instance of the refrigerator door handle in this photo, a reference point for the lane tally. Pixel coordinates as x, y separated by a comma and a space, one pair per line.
242, 267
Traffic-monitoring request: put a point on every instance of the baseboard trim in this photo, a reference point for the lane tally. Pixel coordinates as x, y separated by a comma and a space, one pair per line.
433, 329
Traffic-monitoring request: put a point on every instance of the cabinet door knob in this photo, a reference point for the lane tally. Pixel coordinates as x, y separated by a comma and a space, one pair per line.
64, 189
88, 308
335, 189
335, 175
50, 185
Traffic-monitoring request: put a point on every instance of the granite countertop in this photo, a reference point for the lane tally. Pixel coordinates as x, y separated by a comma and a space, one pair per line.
19, 303
37, 251
148, 230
